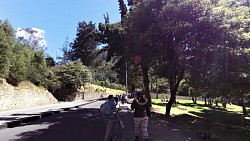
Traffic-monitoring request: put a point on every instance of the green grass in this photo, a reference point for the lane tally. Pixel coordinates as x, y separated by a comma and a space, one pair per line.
30, 86
108, 90
177, 110
93, 88
227, 123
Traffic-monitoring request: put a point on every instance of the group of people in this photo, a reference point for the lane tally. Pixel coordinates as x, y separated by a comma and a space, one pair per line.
123, 98
141, 108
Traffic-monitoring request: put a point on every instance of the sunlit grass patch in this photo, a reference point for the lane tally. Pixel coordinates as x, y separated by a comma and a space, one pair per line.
108, 90
30, 86
95, 88
177, 109
228, 123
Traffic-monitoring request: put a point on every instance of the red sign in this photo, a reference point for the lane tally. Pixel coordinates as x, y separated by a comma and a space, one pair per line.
137, 59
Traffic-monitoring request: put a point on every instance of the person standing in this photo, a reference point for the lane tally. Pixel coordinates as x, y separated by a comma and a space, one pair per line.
109, 119
142, 112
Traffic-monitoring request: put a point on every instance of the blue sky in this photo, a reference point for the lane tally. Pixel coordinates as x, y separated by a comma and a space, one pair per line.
58, 18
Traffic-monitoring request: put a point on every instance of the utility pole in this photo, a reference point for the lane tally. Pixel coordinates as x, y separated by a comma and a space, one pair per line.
126, 78
157, 88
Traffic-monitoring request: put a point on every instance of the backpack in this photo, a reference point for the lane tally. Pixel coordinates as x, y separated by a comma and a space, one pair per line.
105, 110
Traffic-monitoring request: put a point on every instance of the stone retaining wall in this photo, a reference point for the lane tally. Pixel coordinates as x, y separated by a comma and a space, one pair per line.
16, 98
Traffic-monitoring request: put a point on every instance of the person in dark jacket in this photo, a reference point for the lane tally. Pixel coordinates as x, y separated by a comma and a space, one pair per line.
142, 112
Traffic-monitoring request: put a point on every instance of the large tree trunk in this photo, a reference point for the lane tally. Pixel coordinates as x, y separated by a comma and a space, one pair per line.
243, 106
224, 103
174, 81
194, 99
170, 103
205, 99
216, 102
210, 102
146, 83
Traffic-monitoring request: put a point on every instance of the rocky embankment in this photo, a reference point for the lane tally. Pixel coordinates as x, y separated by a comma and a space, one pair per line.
21, 97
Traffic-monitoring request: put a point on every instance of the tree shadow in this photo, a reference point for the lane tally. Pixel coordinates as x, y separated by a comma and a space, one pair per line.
159, 129
230, 126
194, 105
77, 125
165, 130
159, 104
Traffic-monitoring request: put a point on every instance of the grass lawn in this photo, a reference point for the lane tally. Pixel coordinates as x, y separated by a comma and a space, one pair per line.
228, 124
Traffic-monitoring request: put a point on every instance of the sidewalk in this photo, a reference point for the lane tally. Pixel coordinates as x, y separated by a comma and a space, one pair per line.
12, 118
159, 129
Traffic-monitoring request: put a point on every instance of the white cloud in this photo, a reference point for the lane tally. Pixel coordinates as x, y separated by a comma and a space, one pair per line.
32, 36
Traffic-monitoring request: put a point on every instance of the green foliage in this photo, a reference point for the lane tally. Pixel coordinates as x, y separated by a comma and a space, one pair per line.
102, 70
20, 63
220, 71
37, 69
85, 44
72, 75
123, 9
184, 38
6, 45
50, 61
235, 17
52, 82
66, 53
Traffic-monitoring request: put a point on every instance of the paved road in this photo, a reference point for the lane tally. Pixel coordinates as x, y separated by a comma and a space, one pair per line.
85, 124
43, 108
82, 124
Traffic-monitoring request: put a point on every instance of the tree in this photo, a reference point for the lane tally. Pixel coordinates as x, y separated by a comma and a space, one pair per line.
123, 9
72, 75
7, 42
20, 62
221, 59
141, 39
85, 43
112, 36
174, 33
182, 37
236, 76
37, 70
50, 62
66, 53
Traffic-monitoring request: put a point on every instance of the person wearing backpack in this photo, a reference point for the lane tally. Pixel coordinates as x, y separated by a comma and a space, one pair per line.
109, 113
142, 112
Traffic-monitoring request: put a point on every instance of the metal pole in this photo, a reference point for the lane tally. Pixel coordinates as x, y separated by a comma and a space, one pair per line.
126, 78
156, 88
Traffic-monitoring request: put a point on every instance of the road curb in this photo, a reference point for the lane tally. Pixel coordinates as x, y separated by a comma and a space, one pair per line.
37, 116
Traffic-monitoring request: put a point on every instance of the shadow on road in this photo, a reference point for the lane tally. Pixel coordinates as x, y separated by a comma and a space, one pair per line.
77, 125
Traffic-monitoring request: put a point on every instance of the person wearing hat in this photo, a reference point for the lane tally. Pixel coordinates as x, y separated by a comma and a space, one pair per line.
142, 111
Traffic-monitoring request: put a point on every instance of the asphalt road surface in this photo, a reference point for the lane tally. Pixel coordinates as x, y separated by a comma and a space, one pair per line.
81, 124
